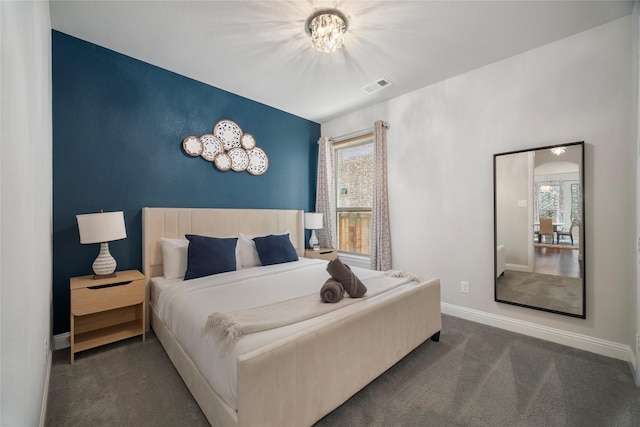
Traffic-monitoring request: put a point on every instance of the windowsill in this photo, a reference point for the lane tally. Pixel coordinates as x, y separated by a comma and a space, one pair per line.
362, 261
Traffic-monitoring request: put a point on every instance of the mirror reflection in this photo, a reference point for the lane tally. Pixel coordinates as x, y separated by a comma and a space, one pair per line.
539, 233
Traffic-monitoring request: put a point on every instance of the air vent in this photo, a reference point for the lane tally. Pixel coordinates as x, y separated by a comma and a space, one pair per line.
376, 86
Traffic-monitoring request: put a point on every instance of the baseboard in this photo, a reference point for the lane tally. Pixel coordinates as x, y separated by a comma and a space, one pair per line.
635, 372
559, 336
61, 341
45, 394
636, 366
518, 267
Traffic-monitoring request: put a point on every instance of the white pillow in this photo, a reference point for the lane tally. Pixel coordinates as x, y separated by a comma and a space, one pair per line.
174, 257
175, 254
248, 253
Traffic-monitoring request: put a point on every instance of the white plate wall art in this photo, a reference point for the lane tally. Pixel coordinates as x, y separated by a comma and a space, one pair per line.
239, 159
222, 161
229, 133
211, 146
192, 146
247, 141
258, 161
228, 148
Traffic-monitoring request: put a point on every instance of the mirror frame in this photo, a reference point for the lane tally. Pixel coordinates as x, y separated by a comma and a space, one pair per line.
581, 174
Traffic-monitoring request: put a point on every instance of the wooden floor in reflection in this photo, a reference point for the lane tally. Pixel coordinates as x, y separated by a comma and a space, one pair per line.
557, 261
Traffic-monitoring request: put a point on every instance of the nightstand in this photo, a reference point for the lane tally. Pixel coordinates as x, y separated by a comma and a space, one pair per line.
106, 310
324, 253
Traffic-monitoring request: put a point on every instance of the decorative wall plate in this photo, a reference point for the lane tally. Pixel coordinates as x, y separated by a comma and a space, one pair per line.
192, 146
239, 159
247, 141
222, 161
258, 161
228, 147
229, 133
211, 146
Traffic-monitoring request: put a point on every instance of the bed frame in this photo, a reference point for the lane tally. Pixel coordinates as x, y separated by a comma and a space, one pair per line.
297, 380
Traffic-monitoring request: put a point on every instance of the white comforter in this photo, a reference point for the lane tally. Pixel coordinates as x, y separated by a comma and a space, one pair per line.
184, 307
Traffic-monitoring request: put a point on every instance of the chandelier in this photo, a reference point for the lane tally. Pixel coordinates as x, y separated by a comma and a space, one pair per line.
558, 150
326, 28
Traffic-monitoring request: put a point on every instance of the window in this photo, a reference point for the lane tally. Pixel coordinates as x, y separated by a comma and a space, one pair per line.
548, 200
559, 200
354, 193
575, 201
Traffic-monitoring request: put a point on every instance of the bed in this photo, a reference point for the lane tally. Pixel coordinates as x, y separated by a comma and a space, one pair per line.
303, 371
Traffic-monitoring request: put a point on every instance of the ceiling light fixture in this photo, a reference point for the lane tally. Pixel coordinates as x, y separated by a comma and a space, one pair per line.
326, 28
558, 150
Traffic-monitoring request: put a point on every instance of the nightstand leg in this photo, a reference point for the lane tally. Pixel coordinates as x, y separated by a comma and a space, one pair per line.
72, 340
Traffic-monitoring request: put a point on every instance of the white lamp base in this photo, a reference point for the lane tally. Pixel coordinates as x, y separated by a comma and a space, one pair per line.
313, 241
105, 265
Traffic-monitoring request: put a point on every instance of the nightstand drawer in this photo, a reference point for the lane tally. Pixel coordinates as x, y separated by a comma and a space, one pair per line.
106, 297
324, 253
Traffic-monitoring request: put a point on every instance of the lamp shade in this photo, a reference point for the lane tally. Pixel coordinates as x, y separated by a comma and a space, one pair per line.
101, 227
313, 221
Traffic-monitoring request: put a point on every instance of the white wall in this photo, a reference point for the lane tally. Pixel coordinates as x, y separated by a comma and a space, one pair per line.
514, 174
25, 211
440, 146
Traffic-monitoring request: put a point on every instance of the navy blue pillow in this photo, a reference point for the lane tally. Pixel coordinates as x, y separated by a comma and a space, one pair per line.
275, 249
209, 255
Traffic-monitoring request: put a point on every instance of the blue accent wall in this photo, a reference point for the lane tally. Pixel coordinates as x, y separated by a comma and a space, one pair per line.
118, 126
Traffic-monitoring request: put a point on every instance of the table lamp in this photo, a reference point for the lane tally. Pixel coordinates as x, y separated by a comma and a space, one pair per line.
313, 222
102, 227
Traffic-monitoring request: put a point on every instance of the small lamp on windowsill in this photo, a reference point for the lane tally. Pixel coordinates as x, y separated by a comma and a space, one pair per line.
102, 227
313, 221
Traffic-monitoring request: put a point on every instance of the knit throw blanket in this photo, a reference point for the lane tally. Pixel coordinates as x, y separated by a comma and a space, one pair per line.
228, 328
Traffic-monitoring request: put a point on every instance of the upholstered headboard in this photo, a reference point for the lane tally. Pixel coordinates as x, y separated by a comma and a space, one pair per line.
176, 222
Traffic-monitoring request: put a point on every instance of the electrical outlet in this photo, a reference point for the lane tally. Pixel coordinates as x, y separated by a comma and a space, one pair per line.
464, 287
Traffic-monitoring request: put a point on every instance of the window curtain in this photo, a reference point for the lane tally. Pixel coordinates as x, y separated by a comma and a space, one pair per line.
536, 189
326, 193
561, 216
380, 230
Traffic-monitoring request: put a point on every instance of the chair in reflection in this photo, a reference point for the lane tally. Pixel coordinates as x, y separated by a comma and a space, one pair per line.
568, 233
546, 229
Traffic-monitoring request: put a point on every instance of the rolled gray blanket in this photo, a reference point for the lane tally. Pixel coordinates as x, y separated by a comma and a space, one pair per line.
350, 282
332, 291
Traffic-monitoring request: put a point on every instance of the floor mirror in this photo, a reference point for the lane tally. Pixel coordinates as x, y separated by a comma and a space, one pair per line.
539, 228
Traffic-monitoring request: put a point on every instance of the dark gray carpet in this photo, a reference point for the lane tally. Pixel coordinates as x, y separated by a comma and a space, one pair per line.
475, 376
128, 383
557, 293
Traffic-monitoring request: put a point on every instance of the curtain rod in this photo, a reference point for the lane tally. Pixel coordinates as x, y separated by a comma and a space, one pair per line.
353, 135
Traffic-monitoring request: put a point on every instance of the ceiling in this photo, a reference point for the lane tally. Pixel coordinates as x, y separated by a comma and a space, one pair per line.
259, 48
